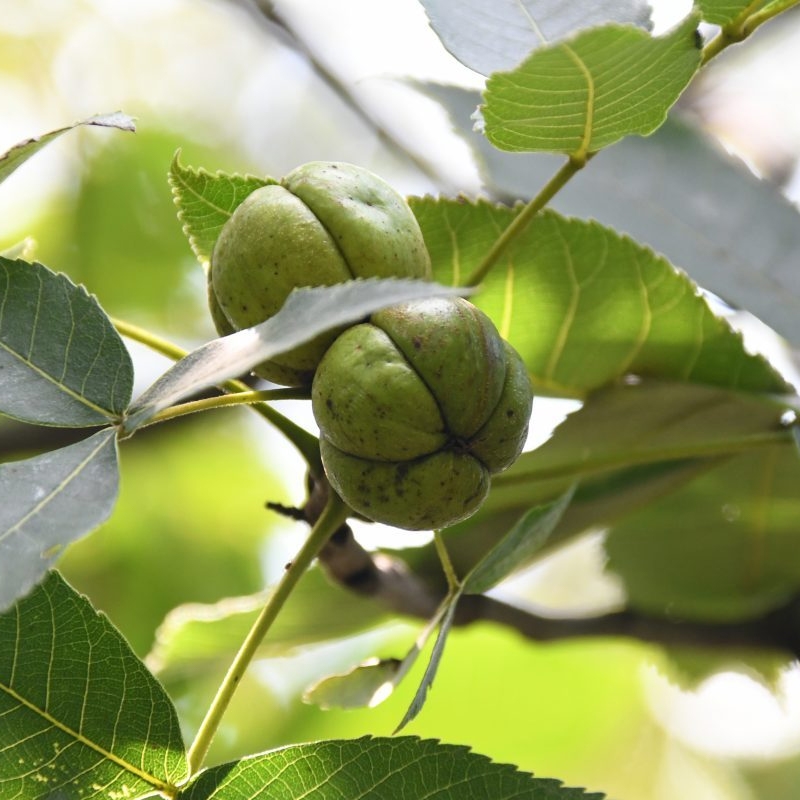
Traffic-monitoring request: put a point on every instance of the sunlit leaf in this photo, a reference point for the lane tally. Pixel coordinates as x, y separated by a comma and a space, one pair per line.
585, 306
205, 202
61, 361
48, 501
579, 96
80, 716
725, 547
306, 313
488, 37
21, 152
379, 768
734, 233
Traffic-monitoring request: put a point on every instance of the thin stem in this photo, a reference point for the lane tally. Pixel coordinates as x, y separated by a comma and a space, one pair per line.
148, 339
765, 14
521, 221
743, 26
225, 400
306, 443
333, 516
447, 565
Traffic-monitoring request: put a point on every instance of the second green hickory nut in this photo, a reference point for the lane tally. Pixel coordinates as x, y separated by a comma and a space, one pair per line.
324, 223
417, 409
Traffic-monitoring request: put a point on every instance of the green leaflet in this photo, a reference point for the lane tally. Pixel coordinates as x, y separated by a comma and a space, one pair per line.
579, 96
205, 202
584, 305
61, 360
80, 716
401, 767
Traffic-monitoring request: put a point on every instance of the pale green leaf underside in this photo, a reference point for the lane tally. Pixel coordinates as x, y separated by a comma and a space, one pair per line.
80, 716
725, 547
48, 501
205, 202
61, 361
488, 37
21, 152
585, 306
580, 96
306, 313
401, 767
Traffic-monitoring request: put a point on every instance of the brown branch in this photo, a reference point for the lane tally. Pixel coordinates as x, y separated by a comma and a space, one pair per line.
390, 581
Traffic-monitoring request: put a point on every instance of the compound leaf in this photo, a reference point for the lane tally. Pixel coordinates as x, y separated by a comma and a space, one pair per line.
488, 37
585, 306
80, 716
48, 501
205, 202
61, 361
374, 767
579, 96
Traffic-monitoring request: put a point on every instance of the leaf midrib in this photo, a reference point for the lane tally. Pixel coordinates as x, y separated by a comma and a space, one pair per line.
79, 737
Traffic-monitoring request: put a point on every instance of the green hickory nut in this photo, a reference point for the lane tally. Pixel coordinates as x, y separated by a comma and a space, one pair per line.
324, 223
417, 409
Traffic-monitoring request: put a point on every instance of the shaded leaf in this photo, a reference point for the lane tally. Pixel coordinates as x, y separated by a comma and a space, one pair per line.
626, 447
647, 422
205, 202
61, 361
377, 768
48, 501
80, 716
196, 638
518, 546
580, 96
585, 306
725, 547
498, 35
306, 313
421, 695
21, 152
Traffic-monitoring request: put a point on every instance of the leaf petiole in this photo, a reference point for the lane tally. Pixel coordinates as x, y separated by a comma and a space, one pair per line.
306, 443
521, 221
